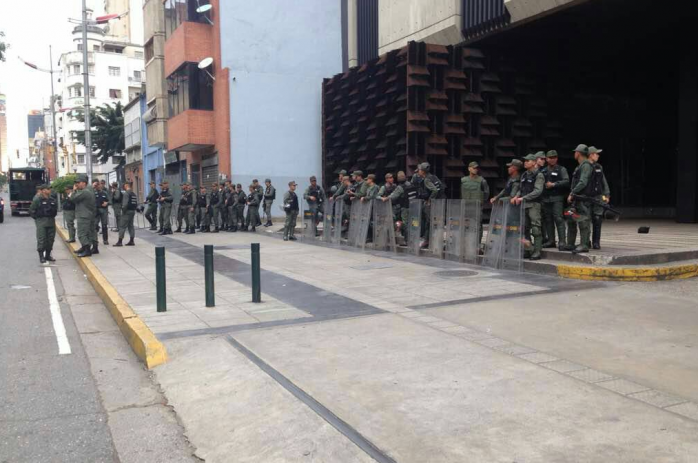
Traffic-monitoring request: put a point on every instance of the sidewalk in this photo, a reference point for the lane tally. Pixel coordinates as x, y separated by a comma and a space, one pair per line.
369, 356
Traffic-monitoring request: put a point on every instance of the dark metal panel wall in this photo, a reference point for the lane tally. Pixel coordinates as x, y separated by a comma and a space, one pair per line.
367, 33
482, 16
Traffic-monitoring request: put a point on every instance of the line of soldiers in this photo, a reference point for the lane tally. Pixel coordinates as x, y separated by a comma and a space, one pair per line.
226, 207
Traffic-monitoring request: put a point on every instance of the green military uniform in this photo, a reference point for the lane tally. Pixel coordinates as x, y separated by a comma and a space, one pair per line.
259, 191
426, 191
43, 211
166, 200
69, 218
101, 216
252, 219
240, 207
553, 201
269, 197
191, 212
85, 207
531, 189
601, 192
291, 207
475, 188
201, 213
511, 188
116, 200
183, 209
152, 209
214, 208
581, 179
371, 192
401, 205
314, 206
129, 203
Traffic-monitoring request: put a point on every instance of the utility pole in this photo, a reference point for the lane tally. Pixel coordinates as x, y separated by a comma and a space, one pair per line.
53, 115
86, 93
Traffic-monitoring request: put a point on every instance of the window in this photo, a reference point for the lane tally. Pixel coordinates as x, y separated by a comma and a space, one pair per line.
178, 11
114, 93
92, 91
138, 54
95, 48
91, 69
76, 69
137, 76
149, 51
81, 159
74, 92
189, 88
114, 71
79, 47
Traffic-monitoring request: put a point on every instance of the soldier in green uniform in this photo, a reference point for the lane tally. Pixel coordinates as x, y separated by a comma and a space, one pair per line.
152, 209
513, 184
225, 192
371, 189
229, 206
426, 191
557, 182
532, 185
259, 191
101, 214
214, 206
338, 188
183, 209
129, 204
601, 192
474, 187
269, 197
581, 185
201, 212
84, 199
291, 208
253, 200
43, 210
401, 202
315, 196
542, 166
193, 199
69, 214
161, 221
240, 207
115, 199
358, 189
165, 201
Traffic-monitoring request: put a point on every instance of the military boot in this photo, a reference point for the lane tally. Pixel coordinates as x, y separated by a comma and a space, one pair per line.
42, 259
49, 258
95, 248
537, 246
84, 252
596, 233
179, 230
130, 242
118, 244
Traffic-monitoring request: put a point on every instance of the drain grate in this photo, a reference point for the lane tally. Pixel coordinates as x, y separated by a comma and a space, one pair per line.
456, 273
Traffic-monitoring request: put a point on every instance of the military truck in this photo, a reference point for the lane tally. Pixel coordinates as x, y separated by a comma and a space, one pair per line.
23, 182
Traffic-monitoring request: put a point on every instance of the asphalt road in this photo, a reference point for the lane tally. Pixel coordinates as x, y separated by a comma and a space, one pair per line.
50, 408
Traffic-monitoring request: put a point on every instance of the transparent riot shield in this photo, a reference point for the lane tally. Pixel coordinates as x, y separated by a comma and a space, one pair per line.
327, 221
354, 223
383, 226
453, 237
472, 231
504, 246
365, 210
308, 224
414, 227
338, 220
436, 227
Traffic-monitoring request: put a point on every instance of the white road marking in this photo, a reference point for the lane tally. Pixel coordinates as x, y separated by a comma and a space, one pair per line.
58, 326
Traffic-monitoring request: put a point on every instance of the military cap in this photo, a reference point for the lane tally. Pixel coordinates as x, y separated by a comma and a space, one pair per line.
401, 175
530, 157
594, 150
474, 164
551, 154
371, 176
45, 186
313, 179
267, 180
540, 155
254, 180
152, 182
358, 172
165, 182
81, 178
342, 172
515, 163
426, 166
114, 184
584, 149
291, 183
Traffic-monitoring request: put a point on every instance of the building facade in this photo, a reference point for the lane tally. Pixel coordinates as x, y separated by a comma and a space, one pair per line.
153, 156
133, 167
5, 160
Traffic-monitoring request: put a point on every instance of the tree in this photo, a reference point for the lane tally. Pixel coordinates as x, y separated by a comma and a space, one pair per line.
3, 180
60, 183
107, 123
3, 46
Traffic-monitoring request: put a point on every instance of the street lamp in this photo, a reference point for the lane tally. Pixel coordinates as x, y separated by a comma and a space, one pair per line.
53, 109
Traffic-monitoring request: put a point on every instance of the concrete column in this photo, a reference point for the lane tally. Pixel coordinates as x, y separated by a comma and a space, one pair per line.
352, 34
687, 188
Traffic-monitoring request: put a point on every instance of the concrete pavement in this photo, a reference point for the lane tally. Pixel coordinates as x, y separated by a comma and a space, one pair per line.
380, 357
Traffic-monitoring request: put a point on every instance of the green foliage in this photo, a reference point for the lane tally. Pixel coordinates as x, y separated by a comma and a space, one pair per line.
3, 180
61, 183
107, 123
3, 46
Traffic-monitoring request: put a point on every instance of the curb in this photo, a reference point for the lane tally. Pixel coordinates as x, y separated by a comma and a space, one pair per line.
674, 272
143, 342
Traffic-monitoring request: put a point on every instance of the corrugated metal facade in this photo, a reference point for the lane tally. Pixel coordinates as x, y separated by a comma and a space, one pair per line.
482, 16
367, 33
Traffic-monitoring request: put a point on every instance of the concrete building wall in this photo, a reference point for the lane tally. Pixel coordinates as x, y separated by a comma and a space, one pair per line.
152, 155
521, 10
155, 86
277, 56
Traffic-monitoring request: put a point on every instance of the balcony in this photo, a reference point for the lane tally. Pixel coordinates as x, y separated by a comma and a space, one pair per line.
190, 42
191, 130
75, 57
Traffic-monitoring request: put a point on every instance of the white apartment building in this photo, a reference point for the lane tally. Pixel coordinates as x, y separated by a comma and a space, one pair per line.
116, 73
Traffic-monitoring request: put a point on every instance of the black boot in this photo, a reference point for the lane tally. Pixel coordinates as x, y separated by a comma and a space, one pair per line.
118, 244
71, 240
179, 230
95, 249
216, 230
130, 243
268, 224
42, 259
596, 233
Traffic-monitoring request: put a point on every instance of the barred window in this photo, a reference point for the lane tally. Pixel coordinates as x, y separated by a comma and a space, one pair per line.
189, 88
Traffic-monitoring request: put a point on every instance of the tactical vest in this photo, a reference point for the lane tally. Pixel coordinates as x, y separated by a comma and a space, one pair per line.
471, 188
184, 200
595, 186
267, 193
101, 197
153, 196
132, 201
215, 197
315, 192
439, 186
251, 197
294, 202
242, 198
68, 205
508, 188
47, 208
388, 189
577, 175
528, 184
201, 202
553, 175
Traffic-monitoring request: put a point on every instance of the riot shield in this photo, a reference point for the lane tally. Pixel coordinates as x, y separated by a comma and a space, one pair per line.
338, 220
436, 227
365, 223
383, 226
414, 227
354, 223
327, 220
308, 224
472, 231
504, 246
455, 216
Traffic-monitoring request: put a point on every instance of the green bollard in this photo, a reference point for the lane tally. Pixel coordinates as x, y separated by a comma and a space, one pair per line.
208, 266
160, 280
256, 280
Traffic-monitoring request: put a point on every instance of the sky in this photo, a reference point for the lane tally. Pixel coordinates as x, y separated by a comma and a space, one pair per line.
30, 26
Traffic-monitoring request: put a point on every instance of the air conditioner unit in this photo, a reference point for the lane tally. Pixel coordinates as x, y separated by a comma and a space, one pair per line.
150, 115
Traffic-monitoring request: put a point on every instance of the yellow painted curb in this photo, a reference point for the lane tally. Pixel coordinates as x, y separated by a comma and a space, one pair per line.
143, 342
676, 272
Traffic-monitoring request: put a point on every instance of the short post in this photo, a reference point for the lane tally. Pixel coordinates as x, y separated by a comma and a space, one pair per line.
256, 280
160, 279
208, 266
